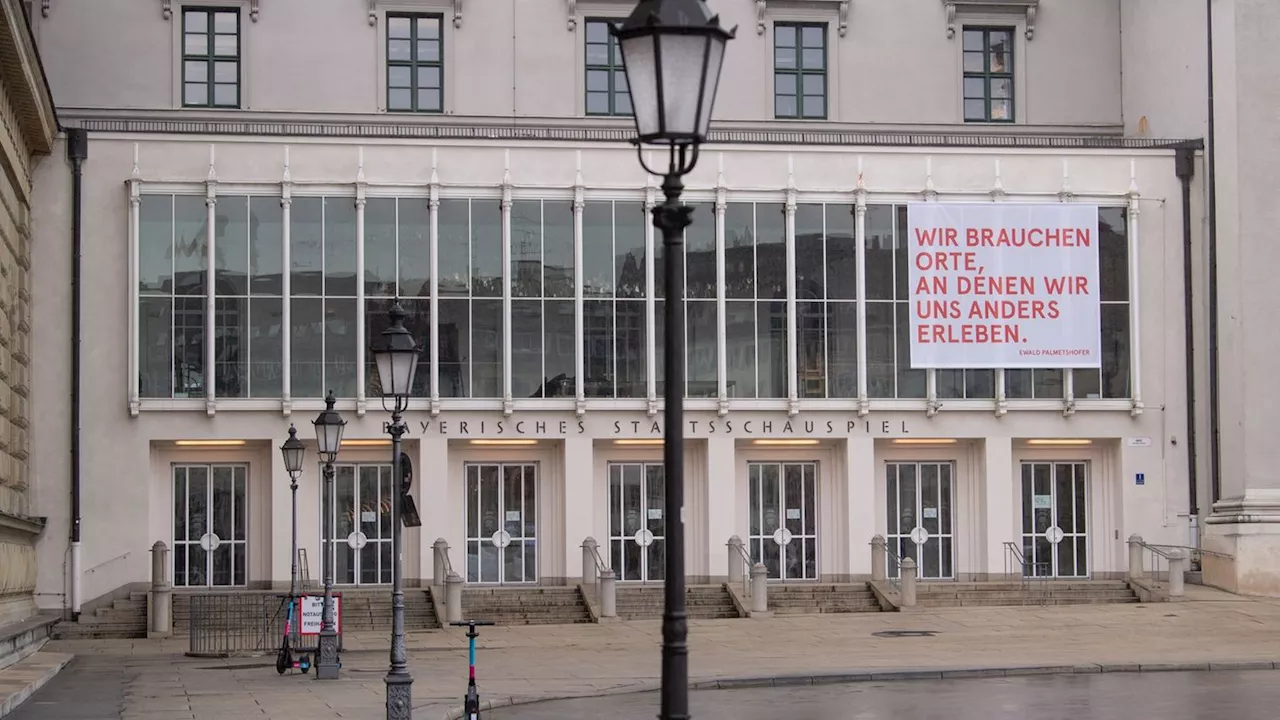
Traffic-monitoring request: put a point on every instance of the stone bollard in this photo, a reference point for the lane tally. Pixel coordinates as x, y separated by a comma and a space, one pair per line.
441, 553
1177, 570
877, 559
453, 597
735, 559
160, 609
1135, 557
589, 560
759, 588
608, 594
908, 582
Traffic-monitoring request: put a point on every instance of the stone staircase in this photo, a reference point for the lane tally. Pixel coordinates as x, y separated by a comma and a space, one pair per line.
1033, 592
126, 618
808, 598
525, 605
703, 602
363, 609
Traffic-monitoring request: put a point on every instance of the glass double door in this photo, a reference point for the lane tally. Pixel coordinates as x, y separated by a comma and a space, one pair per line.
784, 518
1055, 514
209, 525
920, 524
357, 526
637, 524
502, 522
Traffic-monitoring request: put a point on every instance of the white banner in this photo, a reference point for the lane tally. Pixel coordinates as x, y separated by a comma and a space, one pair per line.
312, 607
1004, 285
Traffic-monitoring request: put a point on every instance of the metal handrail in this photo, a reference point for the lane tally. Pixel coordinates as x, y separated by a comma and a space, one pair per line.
448, 564
121, 556
1159, 555
746, 568
892, 559
1196, 555
601, 566
1026, 569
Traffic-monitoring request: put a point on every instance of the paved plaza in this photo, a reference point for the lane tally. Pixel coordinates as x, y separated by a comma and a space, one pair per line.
150, 679
1238, 695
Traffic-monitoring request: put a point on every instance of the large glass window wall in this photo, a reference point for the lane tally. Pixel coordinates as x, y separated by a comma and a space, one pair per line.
324, 299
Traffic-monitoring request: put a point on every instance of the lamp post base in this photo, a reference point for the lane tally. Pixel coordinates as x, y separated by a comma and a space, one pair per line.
399, 696
327, 666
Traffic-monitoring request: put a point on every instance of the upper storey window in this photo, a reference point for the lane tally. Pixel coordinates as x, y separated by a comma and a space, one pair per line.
988, 75
211, 57
415, 63
607, 92
800, 71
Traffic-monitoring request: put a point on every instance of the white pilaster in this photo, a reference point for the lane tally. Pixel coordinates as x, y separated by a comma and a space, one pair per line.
579, 361
507, 405
722, 505
361, 400
280, 518
439, 499
860, 503
1135, 294
650, 305
1001, 497
135, 200
211, 274
434, 351
580, 506
286, 315
792, 333
860, 243
722, 362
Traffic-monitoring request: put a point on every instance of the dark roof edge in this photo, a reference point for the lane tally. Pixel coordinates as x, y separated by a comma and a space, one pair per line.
620, 135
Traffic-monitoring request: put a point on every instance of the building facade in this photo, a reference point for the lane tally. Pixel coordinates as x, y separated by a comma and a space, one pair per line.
27, 128
259, 198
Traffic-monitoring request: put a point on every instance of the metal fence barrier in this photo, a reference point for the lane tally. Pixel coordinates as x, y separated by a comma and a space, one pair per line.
244, 624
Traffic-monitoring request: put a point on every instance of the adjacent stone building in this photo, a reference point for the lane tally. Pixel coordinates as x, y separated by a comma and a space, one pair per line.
27, 129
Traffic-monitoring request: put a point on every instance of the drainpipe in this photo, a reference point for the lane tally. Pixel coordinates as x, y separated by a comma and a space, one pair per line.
77, 152
1184, 167
1215, 448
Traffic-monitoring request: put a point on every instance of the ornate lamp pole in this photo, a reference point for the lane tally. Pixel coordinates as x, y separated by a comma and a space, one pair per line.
672, 51
329, 425
397, 363
293, 450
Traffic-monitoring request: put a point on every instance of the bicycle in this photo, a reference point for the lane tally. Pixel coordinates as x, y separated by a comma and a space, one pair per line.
471, 704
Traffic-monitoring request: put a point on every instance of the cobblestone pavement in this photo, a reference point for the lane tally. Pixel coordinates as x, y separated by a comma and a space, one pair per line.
1239, 695
149, 679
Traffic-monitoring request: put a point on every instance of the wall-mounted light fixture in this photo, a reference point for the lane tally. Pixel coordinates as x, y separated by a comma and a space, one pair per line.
1060, 441
209, 443
786, 442
640, 441
500, 443
924, 441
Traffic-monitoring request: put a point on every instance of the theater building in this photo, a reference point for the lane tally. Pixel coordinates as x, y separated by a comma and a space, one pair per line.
254, 203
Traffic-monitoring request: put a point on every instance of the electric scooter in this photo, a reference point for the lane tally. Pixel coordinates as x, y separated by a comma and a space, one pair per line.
284, 657
471, 705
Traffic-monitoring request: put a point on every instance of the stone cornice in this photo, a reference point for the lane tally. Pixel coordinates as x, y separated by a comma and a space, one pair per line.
24, 78
593, 130
21, 525
1016, 7
762, 7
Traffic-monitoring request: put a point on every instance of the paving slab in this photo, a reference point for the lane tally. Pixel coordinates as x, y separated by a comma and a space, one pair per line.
523, 663
22, 679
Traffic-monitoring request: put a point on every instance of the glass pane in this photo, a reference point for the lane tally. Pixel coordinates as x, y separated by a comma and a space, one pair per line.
1001, 109
486, 348
307, 347
975, 110
399, 51
486, 248
814, 58
429, 100
813, 36
1113, 254
399, 76
527, 375
815, 106
414, 259
195, 21
454, 254
225, 22
784, 36
1000, 87
226, 95
226, 45
400, 99
399, 27
526, 248
265, 347
380, 261
195, 43
975, 62
429, 77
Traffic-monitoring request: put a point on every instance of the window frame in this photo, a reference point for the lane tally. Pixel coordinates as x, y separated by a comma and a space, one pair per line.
210, 57
587, 68
799, 72
413, 63
986, 75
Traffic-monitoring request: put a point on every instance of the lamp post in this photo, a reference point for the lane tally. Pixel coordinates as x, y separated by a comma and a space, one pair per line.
292, 450
329, 425
672, 51
397, 363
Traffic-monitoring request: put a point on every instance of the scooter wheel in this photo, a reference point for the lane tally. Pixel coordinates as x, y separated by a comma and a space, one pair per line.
305, 664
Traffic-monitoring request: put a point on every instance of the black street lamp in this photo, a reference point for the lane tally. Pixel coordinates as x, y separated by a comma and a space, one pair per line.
397, 362
292, 450
672, 51
329, 425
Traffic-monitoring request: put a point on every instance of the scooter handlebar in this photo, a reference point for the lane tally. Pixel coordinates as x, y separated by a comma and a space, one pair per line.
466, 623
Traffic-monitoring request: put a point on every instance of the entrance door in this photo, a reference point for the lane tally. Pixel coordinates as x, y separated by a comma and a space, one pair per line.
209, 525
784, 518
637, 527
1055, 510
358, 524
502, 523
920, 526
